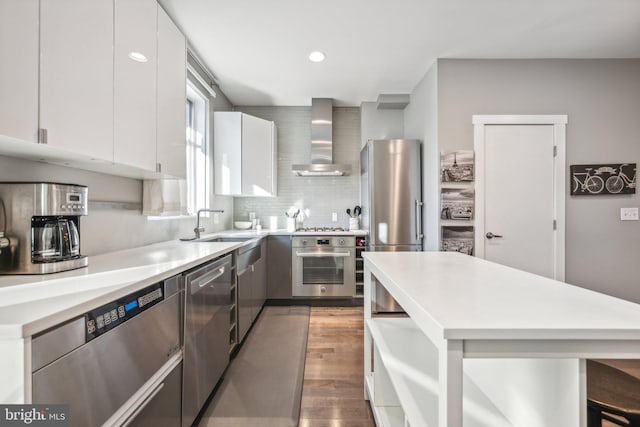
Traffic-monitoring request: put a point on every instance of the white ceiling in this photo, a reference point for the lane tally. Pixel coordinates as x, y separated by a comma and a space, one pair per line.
258, 49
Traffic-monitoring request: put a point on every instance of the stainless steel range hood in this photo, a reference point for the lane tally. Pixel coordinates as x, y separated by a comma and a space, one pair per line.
321, 143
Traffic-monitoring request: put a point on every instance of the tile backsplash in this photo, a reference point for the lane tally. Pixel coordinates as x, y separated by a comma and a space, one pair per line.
316, 197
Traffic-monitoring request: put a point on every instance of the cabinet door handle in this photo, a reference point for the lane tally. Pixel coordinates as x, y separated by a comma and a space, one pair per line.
43, 136
143, 405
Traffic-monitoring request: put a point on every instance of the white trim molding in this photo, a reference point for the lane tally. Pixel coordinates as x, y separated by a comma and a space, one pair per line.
559, 123
517, 119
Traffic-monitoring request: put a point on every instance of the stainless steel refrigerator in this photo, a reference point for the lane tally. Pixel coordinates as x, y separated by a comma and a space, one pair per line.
391, 191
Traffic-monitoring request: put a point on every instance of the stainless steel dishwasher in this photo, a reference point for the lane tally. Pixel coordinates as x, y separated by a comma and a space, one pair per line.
206, 333
118, 364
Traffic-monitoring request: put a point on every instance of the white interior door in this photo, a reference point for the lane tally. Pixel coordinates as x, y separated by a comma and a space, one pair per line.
520, 193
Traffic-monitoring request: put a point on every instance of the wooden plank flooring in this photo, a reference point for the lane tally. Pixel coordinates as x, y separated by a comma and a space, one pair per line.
333, 387
332, 392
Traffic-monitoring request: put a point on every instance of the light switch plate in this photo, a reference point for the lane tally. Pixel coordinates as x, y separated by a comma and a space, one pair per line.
334, 216
628, 214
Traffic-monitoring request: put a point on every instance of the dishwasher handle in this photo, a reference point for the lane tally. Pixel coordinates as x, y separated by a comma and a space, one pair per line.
201, 282
249, 267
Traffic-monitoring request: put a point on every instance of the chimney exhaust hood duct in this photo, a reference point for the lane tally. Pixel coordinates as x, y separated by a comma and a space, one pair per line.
321, 143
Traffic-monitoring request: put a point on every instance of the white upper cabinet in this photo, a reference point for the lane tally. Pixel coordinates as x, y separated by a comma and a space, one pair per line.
19, 69
135, 66
100, 84
172, 98
76, 76
245, 155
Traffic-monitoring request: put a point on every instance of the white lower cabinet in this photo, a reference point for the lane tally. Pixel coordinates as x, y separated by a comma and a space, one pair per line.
403, 386
245, 155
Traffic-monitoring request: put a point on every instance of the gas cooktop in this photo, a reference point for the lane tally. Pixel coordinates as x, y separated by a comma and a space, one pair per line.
324, 231
319, 229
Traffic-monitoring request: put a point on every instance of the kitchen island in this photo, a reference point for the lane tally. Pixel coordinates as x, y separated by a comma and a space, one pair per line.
484, 344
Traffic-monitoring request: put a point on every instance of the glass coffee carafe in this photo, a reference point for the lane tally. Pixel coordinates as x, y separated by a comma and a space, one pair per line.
54, 239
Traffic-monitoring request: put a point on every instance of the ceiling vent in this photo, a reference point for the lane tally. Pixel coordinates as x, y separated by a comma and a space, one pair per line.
321, 143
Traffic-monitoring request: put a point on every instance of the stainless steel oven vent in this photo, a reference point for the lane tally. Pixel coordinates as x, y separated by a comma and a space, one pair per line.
321, 143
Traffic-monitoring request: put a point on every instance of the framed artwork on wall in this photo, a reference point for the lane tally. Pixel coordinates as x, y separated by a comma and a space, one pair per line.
457, 239
600, 179
456, 166
457, 203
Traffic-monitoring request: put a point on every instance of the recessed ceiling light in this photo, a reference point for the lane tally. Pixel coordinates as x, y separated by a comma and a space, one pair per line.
316, 56
137, 56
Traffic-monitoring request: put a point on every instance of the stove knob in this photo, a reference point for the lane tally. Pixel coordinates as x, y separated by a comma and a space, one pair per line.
323, 289
341, 241
304, 242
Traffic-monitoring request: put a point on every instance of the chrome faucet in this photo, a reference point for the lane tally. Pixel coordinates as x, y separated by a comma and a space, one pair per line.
198, 228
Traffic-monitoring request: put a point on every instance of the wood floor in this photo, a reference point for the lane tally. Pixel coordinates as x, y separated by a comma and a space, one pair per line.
333, 388
332, 393
631, 367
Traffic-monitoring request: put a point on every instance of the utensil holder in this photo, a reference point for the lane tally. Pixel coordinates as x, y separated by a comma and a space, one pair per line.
291, 224
354, 224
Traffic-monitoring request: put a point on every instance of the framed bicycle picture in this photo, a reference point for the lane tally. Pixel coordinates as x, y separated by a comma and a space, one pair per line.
617, 178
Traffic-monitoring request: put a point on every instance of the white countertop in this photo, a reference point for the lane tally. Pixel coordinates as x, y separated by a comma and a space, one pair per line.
284, 232
464, 297
30, 304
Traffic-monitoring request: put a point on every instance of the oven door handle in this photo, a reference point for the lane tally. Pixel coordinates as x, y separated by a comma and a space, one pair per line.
323, 254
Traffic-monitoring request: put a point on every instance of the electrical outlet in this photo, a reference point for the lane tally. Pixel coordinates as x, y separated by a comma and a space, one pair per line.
628, 214
216, 218
334, 216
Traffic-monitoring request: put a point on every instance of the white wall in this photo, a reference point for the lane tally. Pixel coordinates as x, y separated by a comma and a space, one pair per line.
421, 122
380, 124
602, 101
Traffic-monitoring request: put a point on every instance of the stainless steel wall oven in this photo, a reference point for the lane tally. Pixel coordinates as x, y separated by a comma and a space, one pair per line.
323, 266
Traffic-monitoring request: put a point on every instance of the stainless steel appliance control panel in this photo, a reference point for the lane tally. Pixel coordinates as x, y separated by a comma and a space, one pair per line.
329, 241
104, 318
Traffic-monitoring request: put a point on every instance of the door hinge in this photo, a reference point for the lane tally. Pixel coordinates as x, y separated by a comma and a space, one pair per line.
555, 224
158, 167
42, 136
555, 151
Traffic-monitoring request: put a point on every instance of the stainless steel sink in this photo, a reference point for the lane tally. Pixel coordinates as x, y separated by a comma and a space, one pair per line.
227, 239
249, 242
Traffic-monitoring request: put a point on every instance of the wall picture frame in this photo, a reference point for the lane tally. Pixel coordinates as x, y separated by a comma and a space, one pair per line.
457, 239
603, 179
457, 166
457, 203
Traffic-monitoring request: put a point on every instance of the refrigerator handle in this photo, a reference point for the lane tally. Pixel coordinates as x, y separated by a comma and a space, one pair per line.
419, 234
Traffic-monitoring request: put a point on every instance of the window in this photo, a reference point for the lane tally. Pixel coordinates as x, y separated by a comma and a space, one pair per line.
198, 173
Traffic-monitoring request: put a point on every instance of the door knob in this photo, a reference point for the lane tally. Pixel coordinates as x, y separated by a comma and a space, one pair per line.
490, 235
